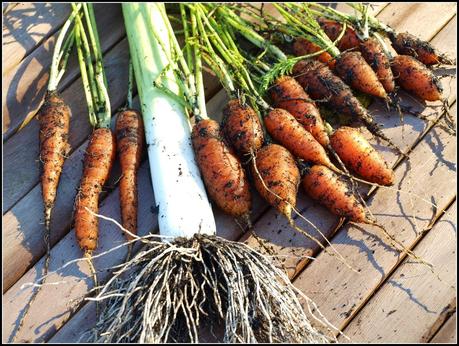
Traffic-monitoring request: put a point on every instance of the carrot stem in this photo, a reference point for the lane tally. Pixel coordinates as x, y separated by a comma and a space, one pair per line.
104, 111
130, 85
84, 78
54, 72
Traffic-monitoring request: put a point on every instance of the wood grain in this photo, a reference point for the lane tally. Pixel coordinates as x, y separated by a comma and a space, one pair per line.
413, 298
26, 25
423, 19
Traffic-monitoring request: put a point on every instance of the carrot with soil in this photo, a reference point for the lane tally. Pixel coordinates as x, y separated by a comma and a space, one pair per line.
241, 125
409, 69
360, 157
222, 172
287, 94
101, 150
129, 134
54, 118
350, 66
324, 186
406, 43
408, 72
315, 77
355, 38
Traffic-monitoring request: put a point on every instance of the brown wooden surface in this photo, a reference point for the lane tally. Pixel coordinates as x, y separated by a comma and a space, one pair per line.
343, 296
448, 332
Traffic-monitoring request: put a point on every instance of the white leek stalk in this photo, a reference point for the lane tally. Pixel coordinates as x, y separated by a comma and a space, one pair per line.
184, 208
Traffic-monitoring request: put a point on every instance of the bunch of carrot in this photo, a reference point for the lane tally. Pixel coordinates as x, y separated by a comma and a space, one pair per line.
99, 157
409, 69
54, 117
250, 125
295, 125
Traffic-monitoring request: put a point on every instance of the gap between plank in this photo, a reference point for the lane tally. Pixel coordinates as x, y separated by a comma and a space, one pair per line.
449, 316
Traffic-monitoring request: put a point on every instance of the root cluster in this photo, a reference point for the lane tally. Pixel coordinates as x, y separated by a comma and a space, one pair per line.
172, 292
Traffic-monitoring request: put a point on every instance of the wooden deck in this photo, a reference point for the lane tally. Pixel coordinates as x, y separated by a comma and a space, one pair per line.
391, 299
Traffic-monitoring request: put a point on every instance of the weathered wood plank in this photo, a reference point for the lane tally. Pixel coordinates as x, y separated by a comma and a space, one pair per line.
27, 25
424, 19
285, 241
448, 332
21, 151
428, 173
25, 84
413, 297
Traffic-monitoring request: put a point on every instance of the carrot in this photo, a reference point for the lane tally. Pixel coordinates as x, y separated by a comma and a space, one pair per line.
277, 177
98, 161
333, 29
352, 68
302, 46
287, 94
242, 128
223, 175
320, 83
286, 130
407, 44
54, 118
130, 141
360, 157
326, 187
374, 55
415, 77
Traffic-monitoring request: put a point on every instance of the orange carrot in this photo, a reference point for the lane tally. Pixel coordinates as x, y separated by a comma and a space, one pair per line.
407, 44
130, 141
326, 187
286, 130
374, 55
413, 76
302, 46
223, 175
242, 128
277, 177
333, 29
98, 161
287, 94
320, 83
54, 118
360, 157
352, 68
